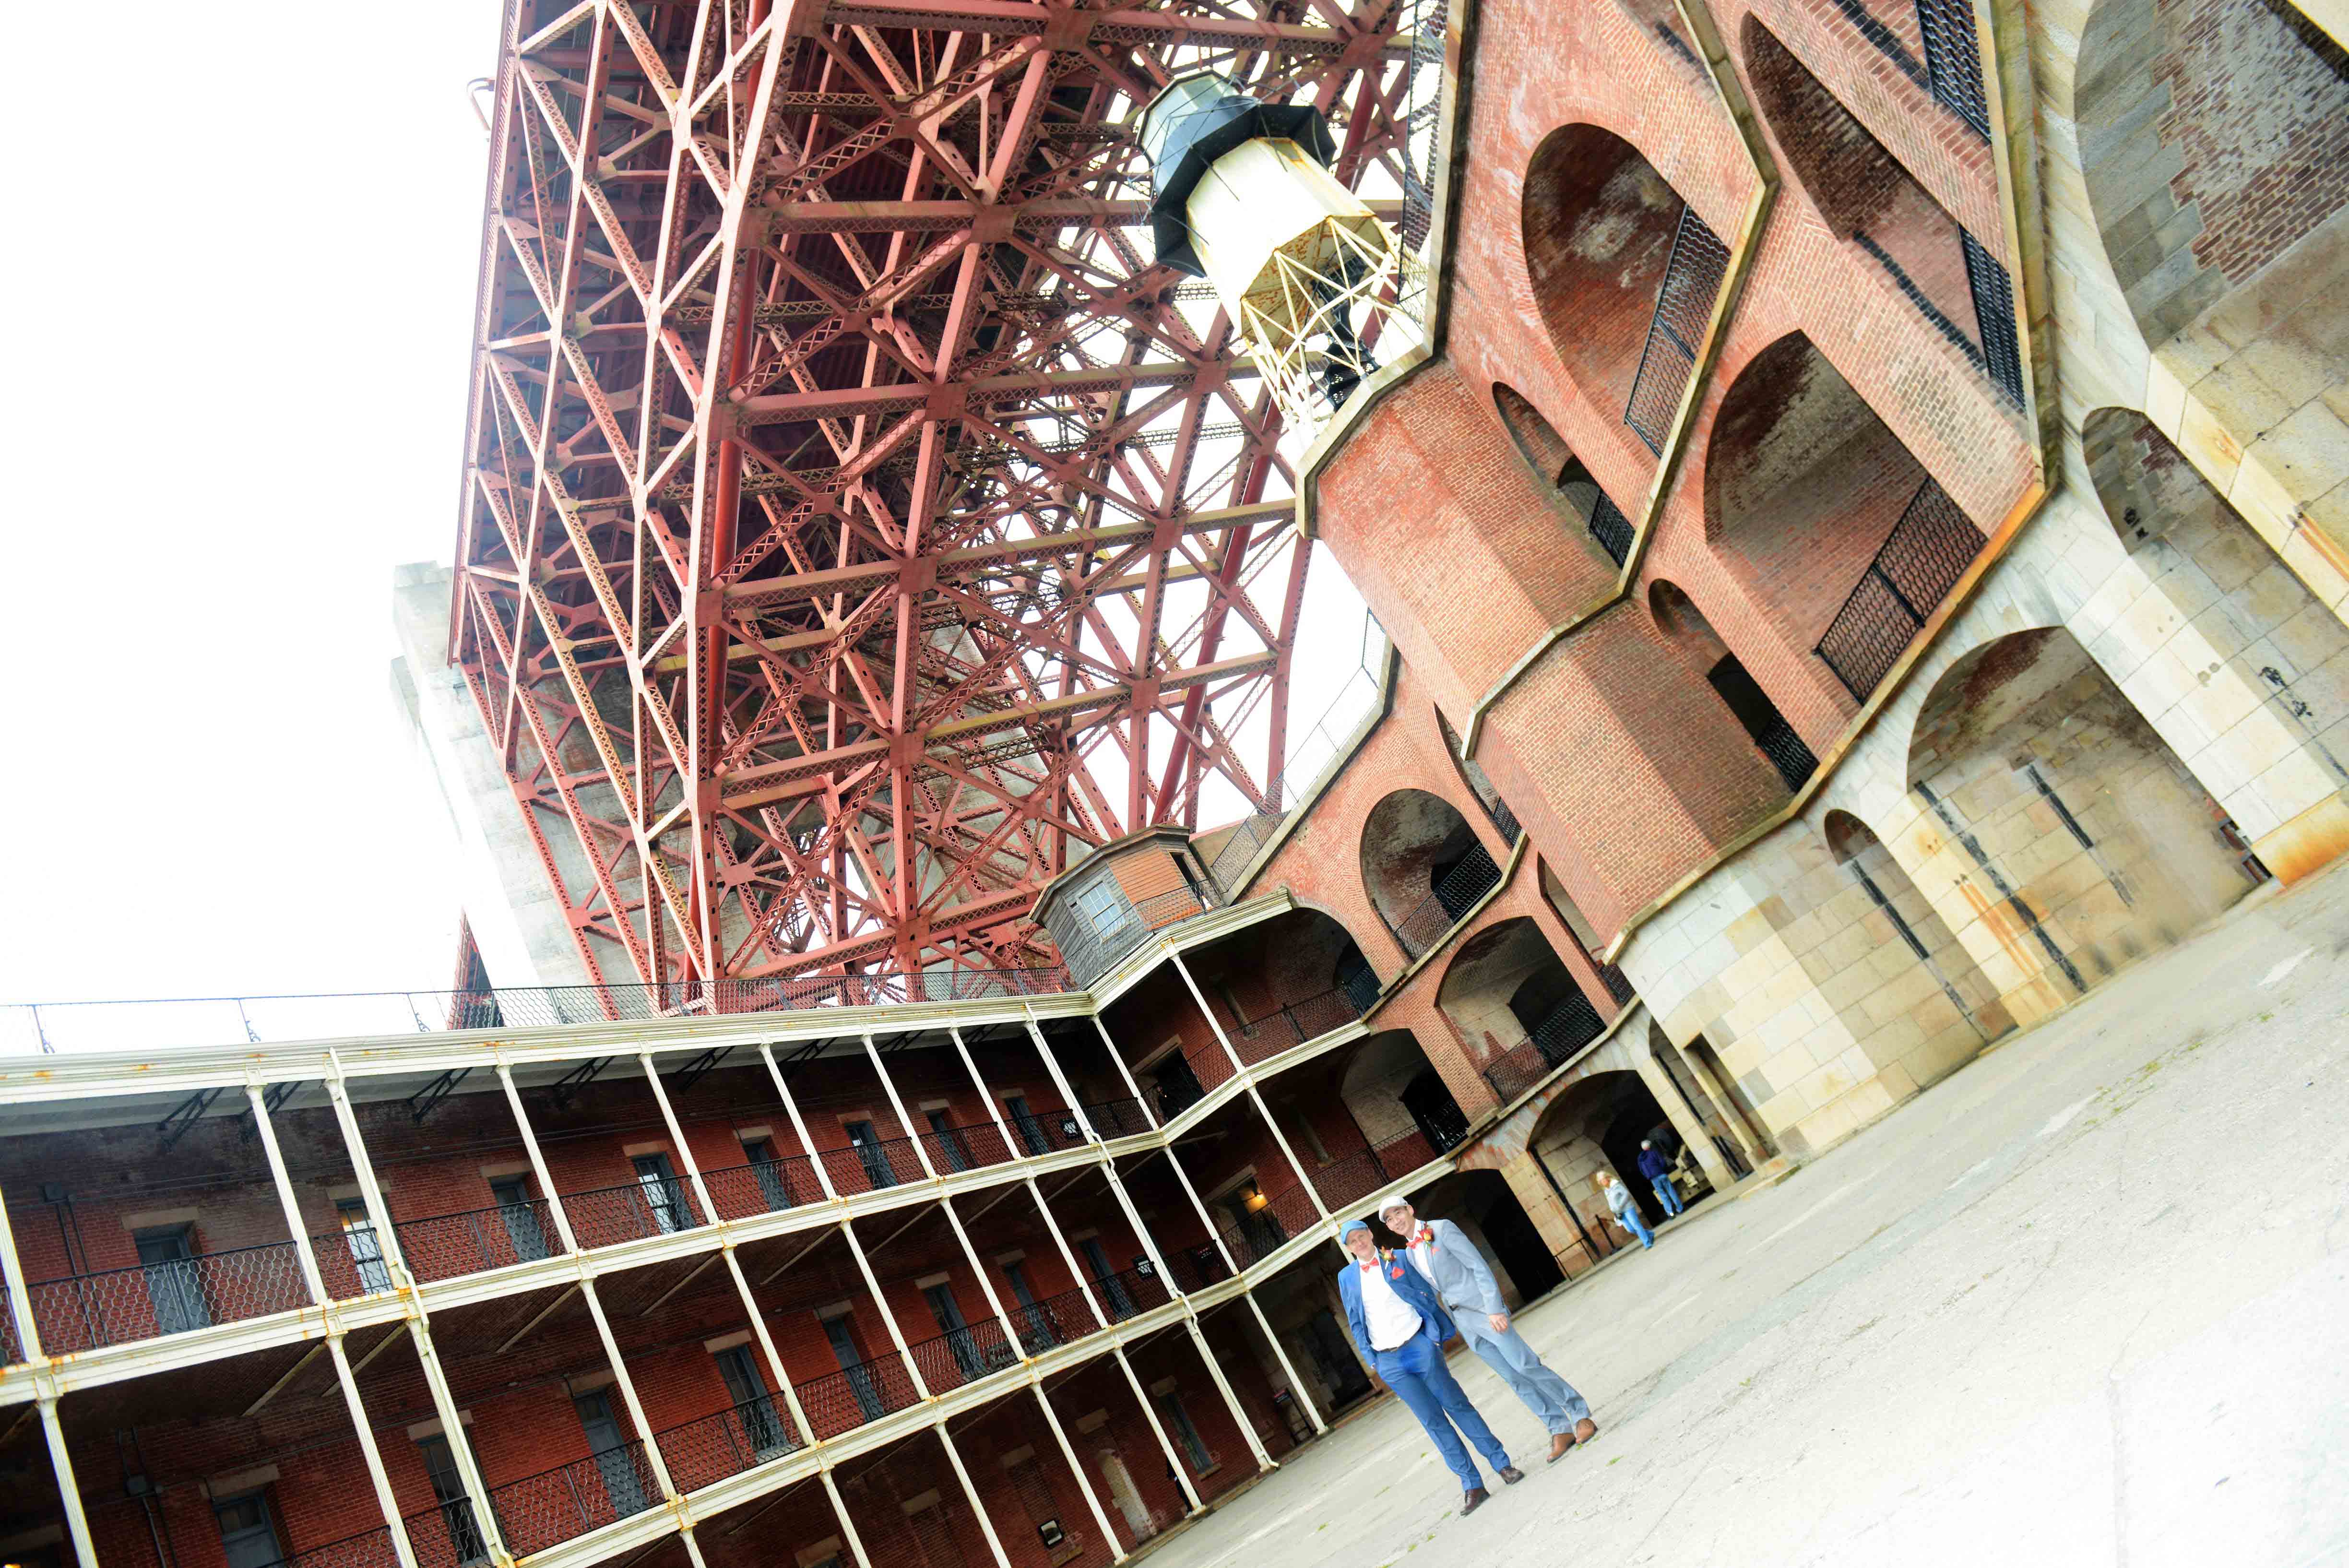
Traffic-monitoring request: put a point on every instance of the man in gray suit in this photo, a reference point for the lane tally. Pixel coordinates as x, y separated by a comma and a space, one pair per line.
1465, 1282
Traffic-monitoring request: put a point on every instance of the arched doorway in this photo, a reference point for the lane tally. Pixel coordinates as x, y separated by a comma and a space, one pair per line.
1966, 1013
1691, 637
1598, 1123
1396, 1096
1956, 282
1623, 271
1518, 1010
1841, 542
1539, 442
1422, 866
1483, 1205
2071, 839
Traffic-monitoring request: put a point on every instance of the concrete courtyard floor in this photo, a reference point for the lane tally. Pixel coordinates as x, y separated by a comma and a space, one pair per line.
2085, 1302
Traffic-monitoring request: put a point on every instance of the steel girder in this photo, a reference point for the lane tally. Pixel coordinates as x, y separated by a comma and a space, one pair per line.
855, 521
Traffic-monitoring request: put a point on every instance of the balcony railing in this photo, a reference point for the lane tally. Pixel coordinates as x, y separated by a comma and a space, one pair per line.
1548, 1045
763, 1187
1954, 60
367, 1549
446, 1535
1692, 274
1914, 570
1455, 893
1358, 1175
702, 1452
1291, 1025
254, 1020
443, 1246
607, 1216
553, 1506
1091, 947
146, 1301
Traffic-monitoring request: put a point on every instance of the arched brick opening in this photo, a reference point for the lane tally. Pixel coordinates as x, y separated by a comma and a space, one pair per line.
1422, 866
1517, 1008
1401, 1101
1603, 524
1623, 272
1870, 202
1963, 1012
1843, 544
1690, 636
1562, 903
1597, 1125
2214, 137
1473, 776
1483, 1205
2066, 839
2248, 604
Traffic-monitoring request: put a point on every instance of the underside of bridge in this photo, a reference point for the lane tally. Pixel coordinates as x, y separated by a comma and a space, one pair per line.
857, 523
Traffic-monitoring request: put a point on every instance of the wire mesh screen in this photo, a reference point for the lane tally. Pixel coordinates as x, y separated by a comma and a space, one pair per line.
1953, 59
1692, 276
1921, 560
1610, 528
1993, 296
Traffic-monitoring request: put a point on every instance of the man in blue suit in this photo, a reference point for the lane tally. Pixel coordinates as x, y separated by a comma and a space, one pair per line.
1401, 1326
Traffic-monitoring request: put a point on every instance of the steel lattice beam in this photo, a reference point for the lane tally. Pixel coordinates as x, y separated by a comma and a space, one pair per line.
854, 520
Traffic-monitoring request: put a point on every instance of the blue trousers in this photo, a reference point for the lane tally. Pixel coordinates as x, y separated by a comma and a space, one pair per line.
1666, 1196
1639, 1224
1421, 1380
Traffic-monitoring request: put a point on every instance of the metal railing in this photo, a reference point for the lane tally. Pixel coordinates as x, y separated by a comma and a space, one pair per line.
699, 1453
1453, 895
1608, 525
146, 1301
446, 1535
1617, 983
763, 1187
367, 1549
553, 1506
471, 1241
1365, 1170
1091, 947
1692, 274
1292, 1024
1547, 1046
51, 1026
1240, 850
1912, 572
1953, 69
1992, 290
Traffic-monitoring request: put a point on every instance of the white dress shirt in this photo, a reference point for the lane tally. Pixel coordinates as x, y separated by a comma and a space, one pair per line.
1391, 1320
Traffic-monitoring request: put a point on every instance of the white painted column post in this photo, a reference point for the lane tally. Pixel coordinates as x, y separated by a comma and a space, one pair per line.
1060, 1082
792, 1110
986, 1285
847, 1525
889, 1088
1149, 1112
1264, 1460
1296, 1384
628, 1393
1248, 1081
977, 1508
316, 1281
1084, 1286
1085, 1483
676, 1137
1214, 1233
767, 1346
1150, 1414
28, 1341
987, 1096
888, 1318
537, 1161
419, 1326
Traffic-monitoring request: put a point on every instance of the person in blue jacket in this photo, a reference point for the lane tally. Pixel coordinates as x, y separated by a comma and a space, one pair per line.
1400, 1327
1658, 1173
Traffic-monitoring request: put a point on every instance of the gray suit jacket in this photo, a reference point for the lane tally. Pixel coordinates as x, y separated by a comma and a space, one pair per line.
1464, 1280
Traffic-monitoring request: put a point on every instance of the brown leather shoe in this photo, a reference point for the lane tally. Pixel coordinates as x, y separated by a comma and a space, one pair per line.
1473, 1499
1511, 1475
1585, 1429
1559, 1444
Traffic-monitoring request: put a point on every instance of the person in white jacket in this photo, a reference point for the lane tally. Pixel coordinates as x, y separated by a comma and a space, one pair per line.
1626, 1208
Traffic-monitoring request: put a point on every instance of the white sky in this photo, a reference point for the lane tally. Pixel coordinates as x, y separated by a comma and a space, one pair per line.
246, 277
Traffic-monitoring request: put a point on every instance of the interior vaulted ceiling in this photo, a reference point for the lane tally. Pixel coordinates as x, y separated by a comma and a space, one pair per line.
856, 523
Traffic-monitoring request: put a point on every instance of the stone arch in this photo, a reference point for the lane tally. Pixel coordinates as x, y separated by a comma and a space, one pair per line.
1690, 636
1595, 1124
1516, 1007
1609, 248
2250, 612
1603, 524
1964, 1012
2065, 839
2212, 137
1872, 203
1283, 979
1422, 866
1840, 542
1393, 1092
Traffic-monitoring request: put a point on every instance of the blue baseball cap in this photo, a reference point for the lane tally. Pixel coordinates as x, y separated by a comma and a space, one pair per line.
1349, 1228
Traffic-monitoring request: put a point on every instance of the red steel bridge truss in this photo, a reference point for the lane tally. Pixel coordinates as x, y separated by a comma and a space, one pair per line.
856, 522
